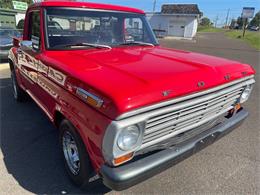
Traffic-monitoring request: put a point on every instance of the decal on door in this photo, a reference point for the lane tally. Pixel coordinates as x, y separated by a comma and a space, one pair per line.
46, 86
29, 62
57, 76
29, 74
42, 68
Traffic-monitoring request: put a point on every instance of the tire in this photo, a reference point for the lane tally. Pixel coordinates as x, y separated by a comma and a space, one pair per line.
76, 160
18, 93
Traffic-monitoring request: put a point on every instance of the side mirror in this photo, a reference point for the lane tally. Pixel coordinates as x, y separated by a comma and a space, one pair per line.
27, 44
33, 44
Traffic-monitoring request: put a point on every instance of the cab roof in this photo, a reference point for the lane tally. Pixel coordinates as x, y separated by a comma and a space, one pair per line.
77, 4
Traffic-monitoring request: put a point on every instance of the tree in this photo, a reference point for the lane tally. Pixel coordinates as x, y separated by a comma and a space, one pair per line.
20, 24
256, 20
233, 24
240, 22
205, 22
7, 4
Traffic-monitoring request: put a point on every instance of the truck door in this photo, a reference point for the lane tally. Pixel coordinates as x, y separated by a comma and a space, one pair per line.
29, 51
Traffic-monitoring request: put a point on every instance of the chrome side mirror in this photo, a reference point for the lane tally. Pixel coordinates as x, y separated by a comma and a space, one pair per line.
27, 44
33, 44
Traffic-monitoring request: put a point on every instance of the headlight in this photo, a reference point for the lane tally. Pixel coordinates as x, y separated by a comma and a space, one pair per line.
246, 93
128, 138
122, 139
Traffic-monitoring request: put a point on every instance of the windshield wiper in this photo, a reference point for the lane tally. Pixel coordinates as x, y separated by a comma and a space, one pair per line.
85, 45
137, 43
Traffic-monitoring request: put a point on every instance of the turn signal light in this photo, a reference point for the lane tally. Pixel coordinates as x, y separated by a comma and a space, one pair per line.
234, 110
89, 98
120, 160
237, 107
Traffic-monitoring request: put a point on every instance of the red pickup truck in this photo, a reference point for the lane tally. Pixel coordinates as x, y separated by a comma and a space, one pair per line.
126, 108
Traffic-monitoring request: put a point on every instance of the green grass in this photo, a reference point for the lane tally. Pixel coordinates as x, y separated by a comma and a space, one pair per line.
253, 38
209, 29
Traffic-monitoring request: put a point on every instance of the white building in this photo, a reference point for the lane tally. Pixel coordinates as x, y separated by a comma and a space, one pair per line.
10, 17
178, 20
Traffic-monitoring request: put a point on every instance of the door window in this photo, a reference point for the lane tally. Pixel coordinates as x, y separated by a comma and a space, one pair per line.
35, 34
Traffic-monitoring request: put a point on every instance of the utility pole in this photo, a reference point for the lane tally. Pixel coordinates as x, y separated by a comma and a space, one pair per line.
154, 6
216, 21
244, 26
227, 17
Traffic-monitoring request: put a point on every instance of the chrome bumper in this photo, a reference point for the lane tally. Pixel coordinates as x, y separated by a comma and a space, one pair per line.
125, 176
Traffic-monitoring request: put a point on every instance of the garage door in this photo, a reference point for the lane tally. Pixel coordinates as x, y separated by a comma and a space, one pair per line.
176, 29
7, 20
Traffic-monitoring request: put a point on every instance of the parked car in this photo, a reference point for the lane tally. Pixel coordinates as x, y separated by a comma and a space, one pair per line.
6, 40
254, 28
125, 107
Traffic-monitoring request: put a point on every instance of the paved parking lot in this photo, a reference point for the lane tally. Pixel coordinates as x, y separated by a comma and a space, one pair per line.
30, 161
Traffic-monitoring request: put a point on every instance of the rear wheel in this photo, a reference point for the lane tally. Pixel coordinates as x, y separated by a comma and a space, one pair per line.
18, 93
75, 156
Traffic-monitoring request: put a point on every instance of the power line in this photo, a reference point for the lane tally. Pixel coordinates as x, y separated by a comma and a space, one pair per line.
154, 5
216, 21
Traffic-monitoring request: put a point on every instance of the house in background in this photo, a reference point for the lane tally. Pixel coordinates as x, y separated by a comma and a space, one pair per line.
10, 18
178, 20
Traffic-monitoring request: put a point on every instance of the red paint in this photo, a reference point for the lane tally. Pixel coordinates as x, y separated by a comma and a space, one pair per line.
139, 70
126, 78
85, 5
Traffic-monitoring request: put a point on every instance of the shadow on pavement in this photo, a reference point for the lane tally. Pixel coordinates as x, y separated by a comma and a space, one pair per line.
29, 143
3, 60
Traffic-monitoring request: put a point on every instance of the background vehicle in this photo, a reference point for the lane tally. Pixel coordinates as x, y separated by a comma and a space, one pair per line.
125, 107
6, 40
254, 28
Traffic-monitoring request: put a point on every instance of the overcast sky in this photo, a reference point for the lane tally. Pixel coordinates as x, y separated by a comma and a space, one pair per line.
210, 8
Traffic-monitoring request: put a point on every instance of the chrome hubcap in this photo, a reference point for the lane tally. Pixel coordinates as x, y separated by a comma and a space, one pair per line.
70, 151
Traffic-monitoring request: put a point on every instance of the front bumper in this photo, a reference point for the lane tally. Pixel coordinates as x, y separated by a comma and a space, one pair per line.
125, 176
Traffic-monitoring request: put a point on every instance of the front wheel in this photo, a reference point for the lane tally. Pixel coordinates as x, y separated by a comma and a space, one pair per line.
75, 156
18, 93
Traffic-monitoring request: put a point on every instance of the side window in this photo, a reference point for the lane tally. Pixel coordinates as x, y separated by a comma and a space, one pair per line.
35, 33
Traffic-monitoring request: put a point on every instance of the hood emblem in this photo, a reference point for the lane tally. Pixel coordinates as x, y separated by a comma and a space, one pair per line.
227, 77
201, 84
166, 93
244, 73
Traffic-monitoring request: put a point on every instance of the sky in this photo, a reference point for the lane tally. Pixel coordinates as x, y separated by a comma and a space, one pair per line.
210, 8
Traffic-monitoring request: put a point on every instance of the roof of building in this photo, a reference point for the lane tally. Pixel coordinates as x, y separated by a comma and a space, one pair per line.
180, 9
3, 10
77, 4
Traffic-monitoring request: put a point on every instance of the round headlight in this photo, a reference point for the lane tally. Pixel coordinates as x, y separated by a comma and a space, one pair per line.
246, 93
128, 138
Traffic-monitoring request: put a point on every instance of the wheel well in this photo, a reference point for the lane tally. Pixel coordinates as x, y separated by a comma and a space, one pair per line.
58, 117
11, 64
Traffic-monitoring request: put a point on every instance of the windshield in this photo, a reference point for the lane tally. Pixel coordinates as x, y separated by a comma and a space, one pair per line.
68, 27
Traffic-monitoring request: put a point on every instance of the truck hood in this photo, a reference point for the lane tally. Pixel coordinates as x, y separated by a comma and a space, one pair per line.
133, 77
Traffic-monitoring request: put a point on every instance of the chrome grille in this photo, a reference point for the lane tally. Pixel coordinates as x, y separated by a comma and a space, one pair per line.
172, 119
184, 118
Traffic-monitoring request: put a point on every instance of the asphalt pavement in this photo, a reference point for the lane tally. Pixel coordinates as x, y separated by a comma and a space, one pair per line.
30, 161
